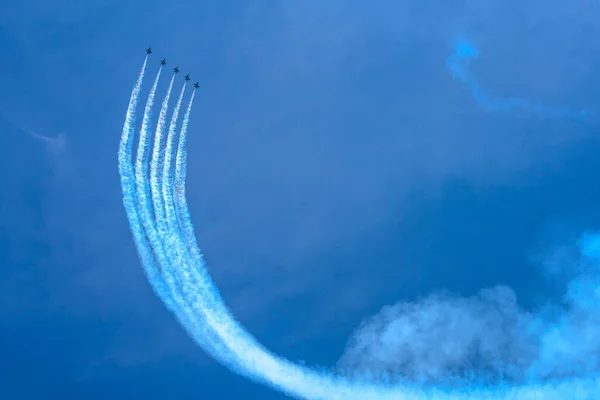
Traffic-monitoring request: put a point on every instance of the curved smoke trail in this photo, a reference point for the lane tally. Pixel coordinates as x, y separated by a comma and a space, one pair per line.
459, 63
564, 365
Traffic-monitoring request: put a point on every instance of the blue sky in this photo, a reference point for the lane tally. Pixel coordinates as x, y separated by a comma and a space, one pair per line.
335, 167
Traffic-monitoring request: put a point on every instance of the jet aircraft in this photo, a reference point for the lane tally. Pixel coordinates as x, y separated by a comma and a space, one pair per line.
163, 61
149, 50
196, 85
187, 77
176, 69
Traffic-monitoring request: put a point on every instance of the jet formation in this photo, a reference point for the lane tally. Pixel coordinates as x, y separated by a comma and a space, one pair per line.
163, 62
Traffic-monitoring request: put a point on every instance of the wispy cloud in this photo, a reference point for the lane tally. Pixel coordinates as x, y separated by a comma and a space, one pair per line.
55, 145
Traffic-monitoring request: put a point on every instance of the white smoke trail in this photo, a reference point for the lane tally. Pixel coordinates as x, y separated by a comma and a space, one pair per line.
157, 162
150, 253
147, 240
175, 251
205, 317
143, 191
146, 250
126, 173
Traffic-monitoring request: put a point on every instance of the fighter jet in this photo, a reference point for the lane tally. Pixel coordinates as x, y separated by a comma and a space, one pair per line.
176, 69
149, 50
196, 85
163, 61
187, 77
